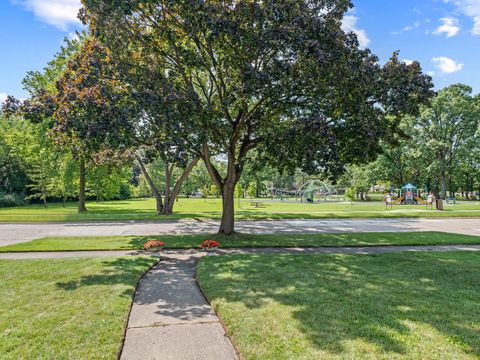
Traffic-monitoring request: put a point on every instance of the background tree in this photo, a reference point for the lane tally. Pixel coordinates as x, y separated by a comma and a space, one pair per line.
160, 136
92, 109
13, 176
43, 161
446, 129
359, 180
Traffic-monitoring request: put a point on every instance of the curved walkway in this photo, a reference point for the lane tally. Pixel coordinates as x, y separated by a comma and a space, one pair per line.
170, 318
11, 233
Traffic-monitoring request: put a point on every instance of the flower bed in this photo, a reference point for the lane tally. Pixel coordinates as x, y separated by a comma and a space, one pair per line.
210, 245
153, 245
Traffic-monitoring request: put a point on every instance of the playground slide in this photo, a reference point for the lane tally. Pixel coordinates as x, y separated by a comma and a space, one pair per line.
399, 200
420, 200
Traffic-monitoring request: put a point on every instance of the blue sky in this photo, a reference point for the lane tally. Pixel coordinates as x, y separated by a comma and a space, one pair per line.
444, 35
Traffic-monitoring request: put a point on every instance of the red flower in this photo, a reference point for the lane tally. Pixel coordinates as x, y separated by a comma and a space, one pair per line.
153, 244
209, 244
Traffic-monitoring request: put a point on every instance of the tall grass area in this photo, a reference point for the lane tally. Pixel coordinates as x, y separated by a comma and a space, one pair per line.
194, 208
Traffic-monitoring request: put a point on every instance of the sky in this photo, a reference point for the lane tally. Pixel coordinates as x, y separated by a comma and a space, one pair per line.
443, 35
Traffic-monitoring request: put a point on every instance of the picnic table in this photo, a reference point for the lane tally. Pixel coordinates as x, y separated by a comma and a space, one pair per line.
257, 204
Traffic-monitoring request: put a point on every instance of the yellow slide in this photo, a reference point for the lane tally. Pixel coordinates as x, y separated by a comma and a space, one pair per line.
420, 200
399, 200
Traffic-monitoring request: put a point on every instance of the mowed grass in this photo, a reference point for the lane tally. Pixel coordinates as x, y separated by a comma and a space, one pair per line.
66, 309
144, 209
390, 306
245, 241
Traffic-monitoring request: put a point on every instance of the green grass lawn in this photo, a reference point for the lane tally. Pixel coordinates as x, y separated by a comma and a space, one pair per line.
390, 306
66, 309
245, 240
144, 209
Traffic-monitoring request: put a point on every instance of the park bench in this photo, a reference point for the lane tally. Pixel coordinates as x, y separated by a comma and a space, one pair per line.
451, 200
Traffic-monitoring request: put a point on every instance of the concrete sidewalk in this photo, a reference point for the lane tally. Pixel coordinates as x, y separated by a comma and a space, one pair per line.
193, 253
65, 254
15, 233
170, 318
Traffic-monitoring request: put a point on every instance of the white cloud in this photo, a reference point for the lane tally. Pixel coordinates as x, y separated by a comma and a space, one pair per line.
349, 24
407, 61
446, 65
470, 8
476, 26
3, 97
72, 36
59, 13
414, 26
449, 27
417, 24
431, 73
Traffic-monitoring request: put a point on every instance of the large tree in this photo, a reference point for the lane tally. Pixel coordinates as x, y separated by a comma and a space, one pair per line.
162, 128
447, 132
91, 109
279, 76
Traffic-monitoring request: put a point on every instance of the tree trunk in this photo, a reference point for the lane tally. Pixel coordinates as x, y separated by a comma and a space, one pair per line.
97, 192
156, 193
82, 194
168, 183
44, 196
443, 183
227, 225
173, 195
227, 185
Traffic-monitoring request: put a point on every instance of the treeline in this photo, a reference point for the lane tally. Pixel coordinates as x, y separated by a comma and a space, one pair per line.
34, 168
438, 150
222, 86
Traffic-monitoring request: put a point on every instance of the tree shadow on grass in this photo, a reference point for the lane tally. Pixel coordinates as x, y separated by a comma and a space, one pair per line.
375, 298
125, 271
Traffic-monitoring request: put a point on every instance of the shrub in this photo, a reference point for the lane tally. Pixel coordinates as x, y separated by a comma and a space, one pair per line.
10, 200
124, 192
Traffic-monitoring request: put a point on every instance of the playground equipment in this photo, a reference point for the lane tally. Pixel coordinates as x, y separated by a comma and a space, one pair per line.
309, 192
319, 189
409, 195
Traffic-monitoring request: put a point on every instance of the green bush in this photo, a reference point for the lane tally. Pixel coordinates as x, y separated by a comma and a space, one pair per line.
10, 200
124, 192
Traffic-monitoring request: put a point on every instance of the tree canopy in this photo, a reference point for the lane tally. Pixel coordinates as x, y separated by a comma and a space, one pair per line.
278, 76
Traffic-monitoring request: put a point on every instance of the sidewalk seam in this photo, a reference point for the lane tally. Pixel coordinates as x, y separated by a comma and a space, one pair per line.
175, 324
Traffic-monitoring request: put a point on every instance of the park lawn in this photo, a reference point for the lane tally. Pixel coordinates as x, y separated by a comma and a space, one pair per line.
66, 308
194, 208
389, 306
245, 240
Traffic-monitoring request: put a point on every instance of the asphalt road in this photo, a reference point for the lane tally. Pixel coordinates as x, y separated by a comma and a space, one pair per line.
11, 233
